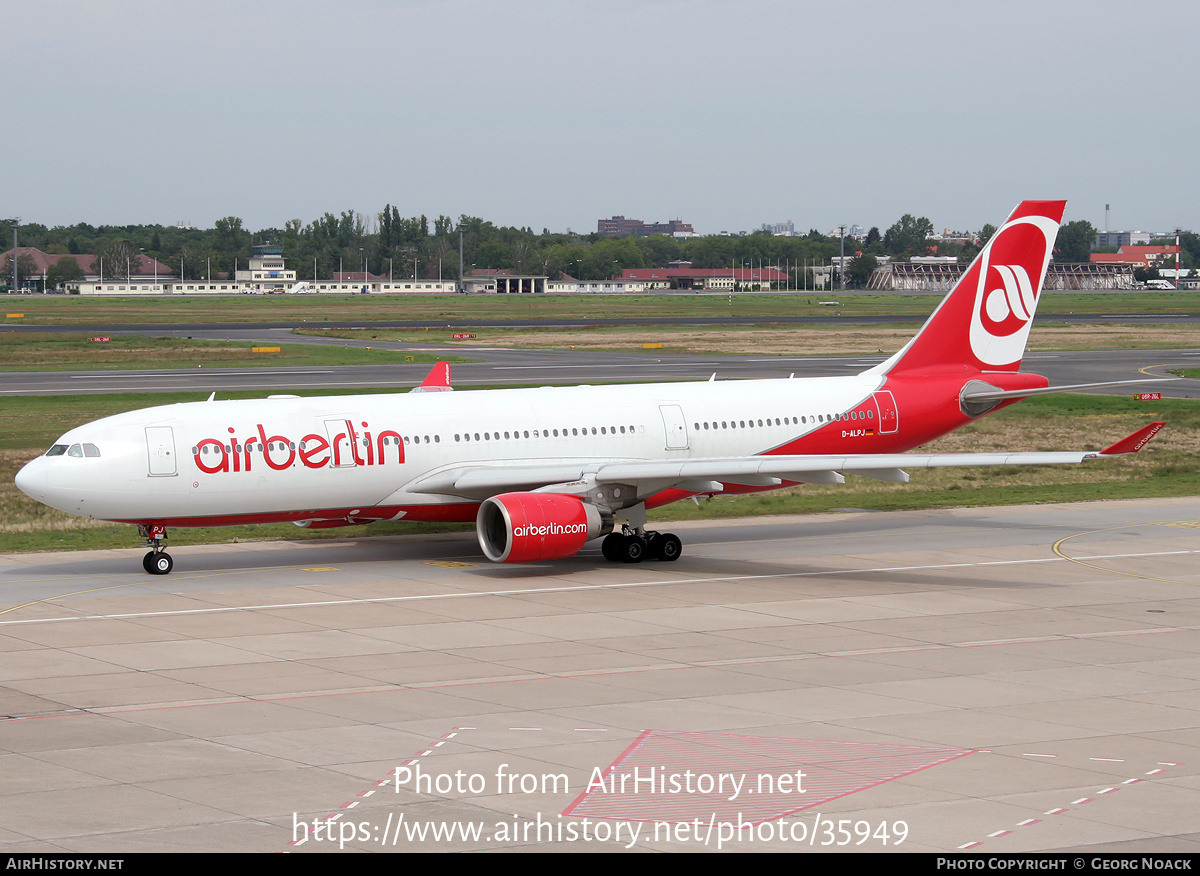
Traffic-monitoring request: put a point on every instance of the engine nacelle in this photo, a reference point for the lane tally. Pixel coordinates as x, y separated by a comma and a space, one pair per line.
528, 527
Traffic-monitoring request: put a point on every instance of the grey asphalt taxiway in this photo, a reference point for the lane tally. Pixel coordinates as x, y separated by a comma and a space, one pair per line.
993, 680
505, 367
499, 366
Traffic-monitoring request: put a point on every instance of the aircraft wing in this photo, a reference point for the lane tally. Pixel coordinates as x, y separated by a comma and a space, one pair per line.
708, 475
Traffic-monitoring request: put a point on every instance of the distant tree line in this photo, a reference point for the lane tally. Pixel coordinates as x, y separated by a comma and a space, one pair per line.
390, 244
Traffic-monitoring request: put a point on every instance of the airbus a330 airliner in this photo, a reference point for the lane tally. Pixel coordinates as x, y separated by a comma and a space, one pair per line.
543, 471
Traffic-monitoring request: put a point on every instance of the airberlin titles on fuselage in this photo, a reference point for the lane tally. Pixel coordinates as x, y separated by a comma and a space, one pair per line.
342, 445
347, 447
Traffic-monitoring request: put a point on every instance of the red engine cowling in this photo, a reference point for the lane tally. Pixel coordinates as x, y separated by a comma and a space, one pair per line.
528, 527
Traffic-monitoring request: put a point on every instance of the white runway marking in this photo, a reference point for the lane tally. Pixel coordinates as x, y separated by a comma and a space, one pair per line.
580, 588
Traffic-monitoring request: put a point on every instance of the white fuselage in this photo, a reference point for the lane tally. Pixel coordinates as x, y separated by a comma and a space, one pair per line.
335, 457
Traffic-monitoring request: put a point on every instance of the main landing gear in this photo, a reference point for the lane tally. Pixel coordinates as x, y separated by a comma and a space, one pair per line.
632, 547
157, 561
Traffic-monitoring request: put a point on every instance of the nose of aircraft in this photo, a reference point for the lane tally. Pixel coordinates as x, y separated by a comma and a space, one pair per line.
31, 479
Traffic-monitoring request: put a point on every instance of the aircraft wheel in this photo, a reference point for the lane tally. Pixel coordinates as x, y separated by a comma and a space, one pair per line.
634, 549
161, 564
147, 562
668, 547
611, 546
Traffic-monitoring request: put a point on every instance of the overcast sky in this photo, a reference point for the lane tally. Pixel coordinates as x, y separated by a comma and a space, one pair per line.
555, 114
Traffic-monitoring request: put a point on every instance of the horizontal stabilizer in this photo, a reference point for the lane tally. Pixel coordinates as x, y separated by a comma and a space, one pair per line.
986, 395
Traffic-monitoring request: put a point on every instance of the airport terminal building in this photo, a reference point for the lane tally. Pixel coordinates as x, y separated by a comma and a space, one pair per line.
266, 273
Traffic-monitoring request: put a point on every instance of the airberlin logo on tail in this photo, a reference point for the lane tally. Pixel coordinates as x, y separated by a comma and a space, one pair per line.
1010, 275
343, 445
1017, 298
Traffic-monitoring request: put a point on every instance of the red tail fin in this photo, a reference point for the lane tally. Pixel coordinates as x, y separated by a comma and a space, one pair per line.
982, 325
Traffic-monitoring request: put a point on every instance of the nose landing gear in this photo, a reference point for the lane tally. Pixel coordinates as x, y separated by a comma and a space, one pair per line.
157, 561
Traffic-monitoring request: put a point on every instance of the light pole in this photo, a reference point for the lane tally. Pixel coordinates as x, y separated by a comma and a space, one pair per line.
1177, 234
842, 263
142, 250
16, 222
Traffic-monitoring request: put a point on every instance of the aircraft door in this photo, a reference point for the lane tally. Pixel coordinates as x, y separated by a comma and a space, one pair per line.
889, 417
675, 426
341, 443
160, 450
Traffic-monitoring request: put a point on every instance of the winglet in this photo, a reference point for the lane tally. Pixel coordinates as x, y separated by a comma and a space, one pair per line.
438, 379
1134, 442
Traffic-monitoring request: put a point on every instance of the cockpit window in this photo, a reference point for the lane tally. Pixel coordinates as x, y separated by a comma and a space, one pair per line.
91, 450
75, 450
57, 450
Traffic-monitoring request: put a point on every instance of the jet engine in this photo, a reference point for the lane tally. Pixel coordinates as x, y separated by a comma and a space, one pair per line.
528, 527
